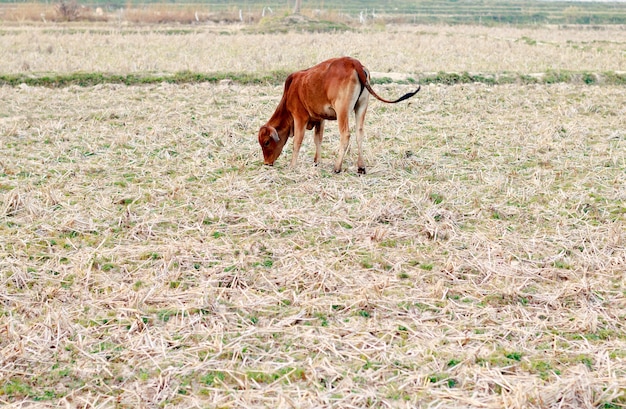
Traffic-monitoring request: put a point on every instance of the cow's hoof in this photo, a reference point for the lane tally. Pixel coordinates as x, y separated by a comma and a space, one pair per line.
337, 170
362, 171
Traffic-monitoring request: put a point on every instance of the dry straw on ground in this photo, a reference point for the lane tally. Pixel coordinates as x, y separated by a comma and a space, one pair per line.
148, 259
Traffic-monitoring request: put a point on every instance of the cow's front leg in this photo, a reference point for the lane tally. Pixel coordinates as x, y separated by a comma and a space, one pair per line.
298, 136
319, 134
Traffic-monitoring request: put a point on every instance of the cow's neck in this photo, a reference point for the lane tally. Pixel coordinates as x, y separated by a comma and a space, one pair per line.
282, 122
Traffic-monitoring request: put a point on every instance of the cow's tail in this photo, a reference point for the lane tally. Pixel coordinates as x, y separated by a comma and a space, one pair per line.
364, 78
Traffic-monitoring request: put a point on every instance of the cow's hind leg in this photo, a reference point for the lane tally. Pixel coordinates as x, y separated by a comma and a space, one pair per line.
319, 134
359, 114
344, 132
353, 97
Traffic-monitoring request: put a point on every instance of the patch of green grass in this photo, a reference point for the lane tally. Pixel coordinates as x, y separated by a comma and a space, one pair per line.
543, 369
406, 306
500, 358
287, 374
442, 377
151, 256
562, 264
398, 395
213, 377
514, 356
617, 403
47, 394
68, 281
589, 78
165, 314
553, 77
105, 346
389, 243
613, 78
436, 198
267, 263
345, 225
143, 375
367, 263
15, 388
370, 365
323, 319
453, 362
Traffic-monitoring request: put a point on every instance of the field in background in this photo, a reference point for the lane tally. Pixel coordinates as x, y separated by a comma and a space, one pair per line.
416, 51
148, 259
352, 12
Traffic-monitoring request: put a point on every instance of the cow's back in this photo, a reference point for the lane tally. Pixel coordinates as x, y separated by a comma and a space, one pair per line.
319, 87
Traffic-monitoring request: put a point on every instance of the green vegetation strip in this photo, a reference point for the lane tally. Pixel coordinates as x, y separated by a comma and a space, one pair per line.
277, 77
90, 79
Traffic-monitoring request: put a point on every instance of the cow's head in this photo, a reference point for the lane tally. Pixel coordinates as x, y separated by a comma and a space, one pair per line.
271, 144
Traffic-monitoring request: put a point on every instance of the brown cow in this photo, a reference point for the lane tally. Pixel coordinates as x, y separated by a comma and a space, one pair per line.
329, 90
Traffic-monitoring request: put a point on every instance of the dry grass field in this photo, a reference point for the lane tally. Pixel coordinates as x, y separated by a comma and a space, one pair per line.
148, 258
68, 48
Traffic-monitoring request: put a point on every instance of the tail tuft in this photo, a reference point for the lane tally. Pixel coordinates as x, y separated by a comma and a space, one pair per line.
408, 95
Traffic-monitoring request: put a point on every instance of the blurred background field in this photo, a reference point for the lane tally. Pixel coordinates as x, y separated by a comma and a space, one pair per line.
205, 42
353, 11
413, 50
